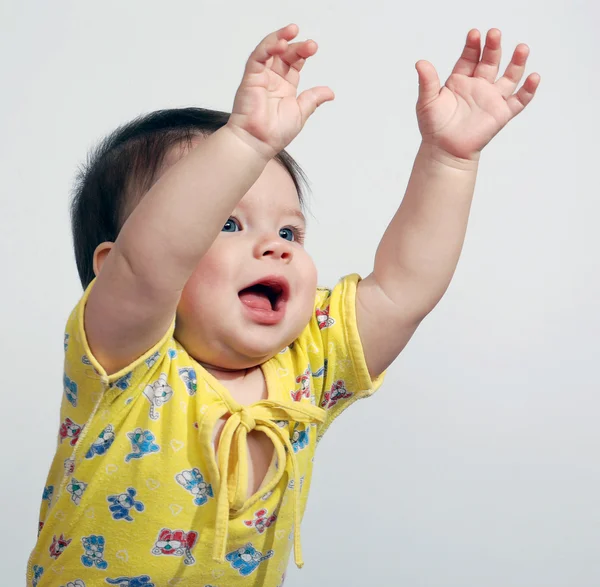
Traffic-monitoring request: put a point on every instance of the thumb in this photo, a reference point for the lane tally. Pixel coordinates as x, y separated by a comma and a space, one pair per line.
429, 82
310, 100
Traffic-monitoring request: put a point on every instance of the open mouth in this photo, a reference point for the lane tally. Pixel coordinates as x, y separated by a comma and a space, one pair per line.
267, 294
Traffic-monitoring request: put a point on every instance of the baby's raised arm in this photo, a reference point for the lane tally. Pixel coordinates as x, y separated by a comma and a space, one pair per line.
136, 294
419, 251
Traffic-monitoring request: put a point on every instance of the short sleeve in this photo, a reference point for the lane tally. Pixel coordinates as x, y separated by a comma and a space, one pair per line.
334, 331
86, 381
88, 390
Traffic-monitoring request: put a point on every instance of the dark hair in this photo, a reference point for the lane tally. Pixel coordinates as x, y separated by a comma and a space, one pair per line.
123, 166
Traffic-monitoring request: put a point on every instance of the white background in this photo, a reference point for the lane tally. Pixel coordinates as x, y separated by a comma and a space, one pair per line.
476, 465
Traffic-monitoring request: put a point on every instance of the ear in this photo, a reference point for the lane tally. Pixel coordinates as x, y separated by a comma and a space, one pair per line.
100, 255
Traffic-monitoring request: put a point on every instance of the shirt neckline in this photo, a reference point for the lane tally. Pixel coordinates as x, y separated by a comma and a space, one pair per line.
268, 371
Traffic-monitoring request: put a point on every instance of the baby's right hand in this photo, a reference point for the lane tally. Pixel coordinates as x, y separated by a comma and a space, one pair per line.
266, 112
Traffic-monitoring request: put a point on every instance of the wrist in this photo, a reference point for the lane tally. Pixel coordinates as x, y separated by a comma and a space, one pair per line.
261, 149
444, 158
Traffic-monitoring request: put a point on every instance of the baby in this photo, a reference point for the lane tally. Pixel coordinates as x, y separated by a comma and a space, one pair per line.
202, 363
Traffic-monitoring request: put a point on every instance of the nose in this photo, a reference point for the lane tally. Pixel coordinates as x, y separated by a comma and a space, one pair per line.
275, 248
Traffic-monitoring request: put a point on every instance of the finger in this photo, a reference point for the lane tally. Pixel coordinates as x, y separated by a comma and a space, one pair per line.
429, 83
293, 59
508, 83
469, 58
311, 99
518, 101
487, 68
297, 53
273, 44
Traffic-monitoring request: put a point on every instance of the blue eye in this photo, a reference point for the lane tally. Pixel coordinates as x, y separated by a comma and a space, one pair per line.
230, 226
287, 233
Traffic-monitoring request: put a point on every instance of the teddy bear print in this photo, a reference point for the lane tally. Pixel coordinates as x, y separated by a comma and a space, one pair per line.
246, 559
323, 318
304, 391
193, 481
176, 543
337, 392
76, 489
142, 443
158, 393
261, 521
58, 546
188, 376
101, 445
93, 547
299, 438
121, 505
69, 430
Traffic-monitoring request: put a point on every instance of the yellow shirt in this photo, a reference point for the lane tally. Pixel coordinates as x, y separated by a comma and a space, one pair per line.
136, 497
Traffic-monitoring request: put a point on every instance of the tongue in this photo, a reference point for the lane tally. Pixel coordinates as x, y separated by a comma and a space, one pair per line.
255, 299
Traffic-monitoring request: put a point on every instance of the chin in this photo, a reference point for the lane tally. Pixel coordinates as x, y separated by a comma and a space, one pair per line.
261, 345
260, 351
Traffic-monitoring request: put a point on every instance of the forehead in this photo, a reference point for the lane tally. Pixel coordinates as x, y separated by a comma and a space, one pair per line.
274, 188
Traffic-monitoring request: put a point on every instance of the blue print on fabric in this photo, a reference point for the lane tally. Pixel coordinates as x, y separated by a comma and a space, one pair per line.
142, 443
246, 559
70, 390
299, 439
48, 492
140, 581
193, 481
188, 376
37, 573
121, 505
322, 371
93, 547
152, 359
124, 382
101, 445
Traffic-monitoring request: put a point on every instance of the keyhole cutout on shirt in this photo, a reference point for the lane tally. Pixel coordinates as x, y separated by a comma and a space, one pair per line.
251, 389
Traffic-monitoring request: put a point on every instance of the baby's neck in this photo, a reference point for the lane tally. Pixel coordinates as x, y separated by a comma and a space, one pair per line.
225, 374
246, 386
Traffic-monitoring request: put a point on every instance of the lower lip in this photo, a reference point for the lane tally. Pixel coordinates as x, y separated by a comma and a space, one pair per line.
266, 317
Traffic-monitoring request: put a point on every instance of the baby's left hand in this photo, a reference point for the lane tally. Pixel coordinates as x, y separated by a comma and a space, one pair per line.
472, 107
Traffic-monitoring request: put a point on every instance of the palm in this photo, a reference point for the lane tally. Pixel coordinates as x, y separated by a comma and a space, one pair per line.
266, 106
464, 115
267, 102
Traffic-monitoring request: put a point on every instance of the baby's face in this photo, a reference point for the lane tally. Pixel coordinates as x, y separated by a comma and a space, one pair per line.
253, 292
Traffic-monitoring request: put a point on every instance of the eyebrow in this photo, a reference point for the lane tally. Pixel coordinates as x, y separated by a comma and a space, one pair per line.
294, 212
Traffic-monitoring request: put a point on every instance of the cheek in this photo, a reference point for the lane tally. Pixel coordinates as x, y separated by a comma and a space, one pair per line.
219, 265
309, 274
208, 279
